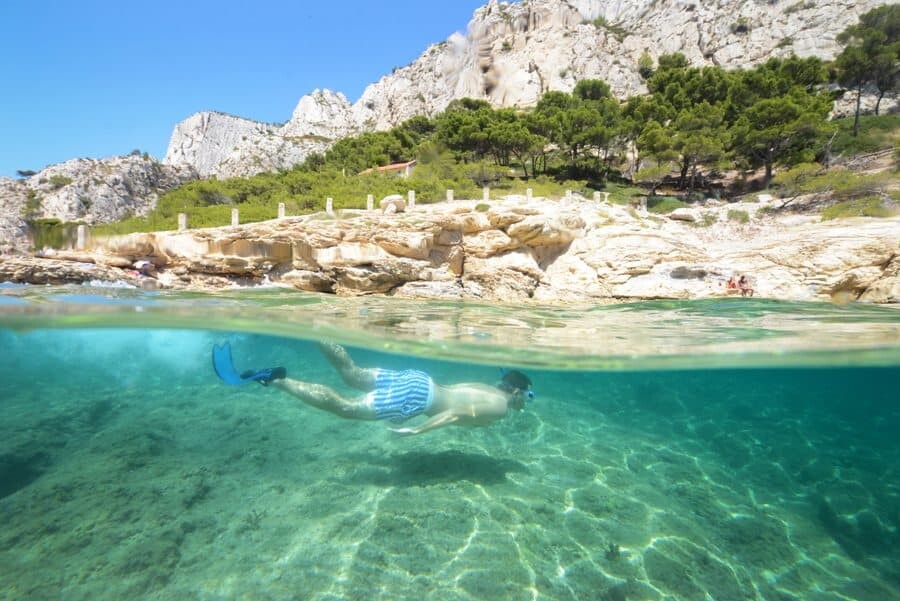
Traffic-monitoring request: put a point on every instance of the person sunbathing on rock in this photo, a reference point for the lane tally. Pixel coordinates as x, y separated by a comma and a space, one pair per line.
745, 287
391, 395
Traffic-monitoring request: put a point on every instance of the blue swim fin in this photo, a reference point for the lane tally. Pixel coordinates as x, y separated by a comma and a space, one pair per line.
224, 366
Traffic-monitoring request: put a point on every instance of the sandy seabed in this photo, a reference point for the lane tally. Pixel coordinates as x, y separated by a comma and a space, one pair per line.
612, 488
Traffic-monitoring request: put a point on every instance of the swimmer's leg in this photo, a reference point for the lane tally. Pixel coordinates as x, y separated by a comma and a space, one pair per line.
353, 375
323, 397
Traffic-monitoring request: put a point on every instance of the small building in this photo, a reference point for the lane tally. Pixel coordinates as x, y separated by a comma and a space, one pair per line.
401, 169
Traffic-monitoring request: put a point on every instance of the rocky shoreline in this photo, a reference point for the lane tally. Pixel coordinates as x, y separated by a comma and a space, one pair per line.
513, 249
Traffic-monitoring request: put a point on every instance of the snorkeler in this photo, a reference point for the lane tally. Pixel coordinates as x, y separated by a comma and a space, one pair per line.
393, 395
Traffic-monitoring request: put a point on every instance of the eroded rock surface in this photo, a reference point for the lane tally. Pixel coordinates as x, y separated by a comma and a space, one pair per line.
570, 250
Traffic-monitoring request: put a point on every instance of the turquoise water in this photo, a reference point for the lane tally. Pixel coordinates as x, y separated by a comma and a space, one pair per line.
733, 449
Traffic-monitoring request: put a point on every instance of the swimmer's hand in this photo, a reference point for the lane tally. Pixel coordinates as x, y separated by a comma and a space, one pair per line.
437, 421
404, 431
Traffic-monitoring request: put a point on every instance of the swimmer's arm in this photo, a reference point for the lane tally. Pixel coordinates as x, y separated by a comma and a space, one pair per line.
438, 421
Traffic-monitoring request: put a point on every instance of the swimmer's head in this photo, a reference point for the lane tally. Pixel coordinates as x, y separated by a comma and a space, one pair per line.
518, 385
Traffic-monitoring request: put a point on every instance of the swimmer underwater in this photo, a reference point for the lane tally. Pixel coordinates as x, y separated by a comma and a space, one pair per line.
392, 395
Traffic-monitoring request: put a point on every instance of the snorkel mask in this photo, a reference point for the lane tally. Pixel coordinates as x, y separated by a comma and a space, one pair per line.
513, 380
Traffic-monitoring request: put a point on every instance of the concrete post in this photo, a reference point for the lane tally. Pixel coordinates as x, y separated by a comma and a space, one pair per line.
528, 193
329, 206
411, 197
449, 195
606, 197
182, 221
281, 210
81, 237
370, 203
596, 196
485, 194
568, 194
235, 219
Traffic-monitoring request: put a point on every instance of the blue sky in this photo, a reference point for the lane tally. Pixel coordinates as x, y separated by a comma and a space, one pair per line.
96, 78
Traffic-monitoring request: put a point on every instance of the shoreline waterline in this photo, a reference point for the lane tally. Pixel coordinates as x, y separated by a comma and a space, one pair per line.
634, 336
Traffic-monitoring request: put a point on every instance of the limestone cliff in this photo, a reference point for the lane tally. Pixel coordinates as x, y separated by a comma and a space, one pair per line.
512, 54
84, 190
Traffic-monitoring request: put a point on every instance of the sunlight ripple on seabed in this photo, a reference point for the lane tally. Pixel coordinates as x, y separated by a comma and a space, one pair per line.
137, 473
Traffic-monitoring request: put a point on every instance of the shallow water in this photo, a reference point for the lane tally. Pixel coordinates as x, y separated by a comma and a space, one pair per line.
735, 449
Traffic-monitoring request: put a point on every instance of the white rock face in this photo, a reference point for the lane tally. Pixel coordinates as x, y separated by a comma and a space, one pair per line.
514, 53
85, 190
229, 146
322, 114
220, 144
13, 230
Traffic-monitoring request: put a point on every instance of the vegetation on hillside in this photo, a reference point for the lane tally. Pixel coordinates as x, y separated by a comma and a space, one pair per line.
871, 54
695, 123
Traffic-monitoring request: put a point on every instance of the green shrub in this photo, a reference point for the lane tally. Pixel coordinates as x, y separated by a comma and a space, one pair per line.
707, 219
645, 65
32, 205
798, 6
544, 186
664, 204
58, 181
482, 207
808, 178
869, 206
617, 31
794, 180
741, 26
738, 215
52, 233
785, 42
875, 133
208, 203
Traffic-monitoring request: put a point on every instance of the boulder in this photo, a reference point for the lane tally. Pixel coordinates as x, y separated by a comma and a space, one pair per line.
395, 203
538, 230
488, 243
683, 214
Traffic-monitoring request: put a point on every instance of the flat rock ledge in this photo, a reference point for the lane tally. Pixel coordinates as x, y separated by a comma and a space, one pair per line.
517, 249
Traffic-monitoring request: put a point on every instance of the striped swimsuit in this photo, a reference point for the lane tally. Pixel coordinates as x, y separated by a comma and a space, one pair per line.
400, 395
